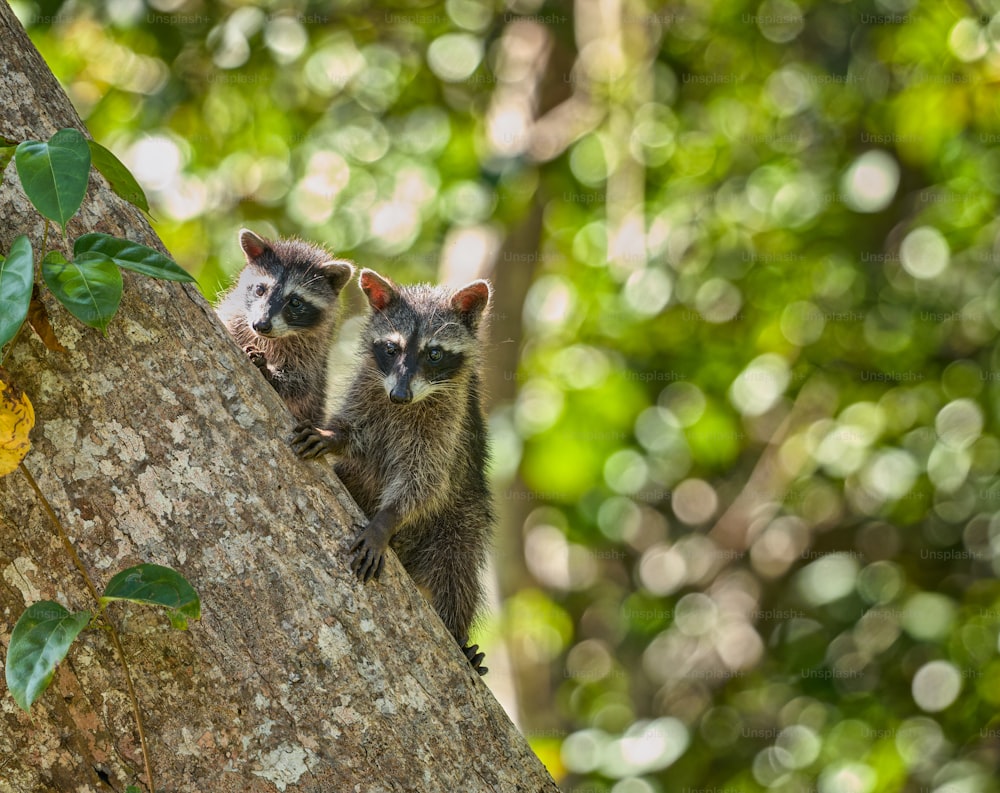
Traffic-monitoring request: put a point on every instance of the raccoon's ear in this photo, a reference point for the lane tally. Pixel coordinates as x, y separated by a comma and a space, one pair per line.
252, 244
381, 292
338, 272
471, 301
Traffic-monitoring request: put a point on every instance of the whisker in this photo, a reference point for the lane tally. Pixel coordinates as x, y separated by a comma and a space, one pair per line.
442, 328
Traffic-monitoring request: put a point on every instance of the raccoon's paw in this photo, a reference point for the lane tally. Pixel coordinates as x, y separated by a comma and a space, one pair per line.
369, 557
258, 359
475, 657
309, 441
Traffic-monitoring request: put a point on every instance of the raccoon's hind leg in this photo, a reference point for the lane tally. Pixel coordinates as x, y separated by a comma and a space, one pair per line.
455, 593
475, 658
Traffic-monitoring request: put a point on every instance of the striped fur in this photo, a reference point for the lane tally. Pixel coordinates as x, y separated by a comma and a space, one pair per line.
283, 312
411, 437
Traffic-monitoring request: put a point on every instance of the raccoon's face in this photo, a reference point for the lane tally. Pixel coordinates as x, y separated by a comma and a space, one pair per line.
289, 286
415, 367
422, 339
276, 308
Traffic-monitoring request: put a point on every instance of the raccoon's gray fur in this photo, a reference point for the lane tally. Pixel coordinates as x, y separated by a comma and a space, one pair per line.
283, 312
412, 443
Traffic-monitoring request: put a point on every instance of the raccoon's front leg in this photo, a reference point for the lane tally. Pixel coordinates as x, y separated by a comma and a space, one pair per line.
369, 549
309, 441
258, 359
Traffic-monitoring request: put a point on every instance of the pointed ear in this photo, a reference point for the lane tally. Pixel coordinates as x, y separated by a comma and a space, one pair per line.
381, 291
471, 301
253, 245
338, 272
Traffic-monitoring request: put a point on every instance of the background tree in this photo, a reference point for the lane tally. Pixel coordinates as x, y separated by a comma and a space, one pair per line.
748, 453
157, 443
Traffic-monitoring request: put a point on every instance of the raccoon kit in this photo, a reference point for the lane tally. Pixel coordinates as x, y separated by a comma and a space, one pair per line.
411, 439
283, 312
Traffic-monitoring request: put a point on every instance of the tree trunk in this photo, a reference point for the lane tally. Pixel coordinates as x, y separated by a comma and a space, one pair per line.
160, 443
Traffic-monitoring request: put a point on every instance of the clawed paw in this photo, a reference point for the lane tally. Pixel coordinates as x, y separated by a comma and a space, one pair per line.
475, 658
309, 441
368, 559
257, 358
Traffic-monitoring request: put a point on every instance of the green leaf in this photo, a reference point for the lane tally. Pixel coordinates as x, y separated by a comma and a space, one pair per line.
39, 641
119, 177
131, 256
54, 174
157, 586
17, 273
90, 286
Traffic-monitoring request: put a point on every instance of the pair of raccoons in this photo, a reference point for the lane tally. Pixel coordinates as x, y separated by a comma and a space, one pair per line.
410, 433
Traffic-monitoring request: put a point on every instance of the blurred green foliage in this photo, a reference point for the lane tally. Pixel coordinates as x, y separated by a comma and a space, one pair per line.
751, 444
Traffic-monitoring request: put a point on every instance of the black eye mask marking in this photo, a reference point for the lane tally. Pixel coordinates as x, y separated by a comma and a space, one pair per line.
299, 313
445, 367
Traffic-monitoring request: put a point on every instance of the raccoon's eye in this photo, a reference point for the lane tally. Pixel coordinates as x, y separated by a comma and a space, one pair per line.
391, 348
259, 290
295, 303
435, 354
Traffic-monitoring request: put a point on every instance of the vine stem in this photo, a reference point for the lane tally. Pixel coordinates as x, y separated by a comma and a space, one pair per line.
112, 632
10, 346
45, 242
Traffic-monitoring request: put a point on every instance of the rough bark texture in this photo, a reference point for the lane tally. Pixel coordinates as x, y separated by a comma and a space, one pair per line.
161, 443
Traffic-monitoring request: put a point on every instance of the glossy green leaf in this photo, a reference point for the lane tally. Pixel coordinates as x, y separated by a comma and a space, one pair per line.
54, 173
131, 256
90, 286
120, 178
16, 278
40, 640
158, 586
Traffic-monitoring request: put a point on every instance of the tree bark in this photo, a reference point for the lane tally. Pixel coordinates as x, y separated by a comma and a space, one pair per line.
160, 443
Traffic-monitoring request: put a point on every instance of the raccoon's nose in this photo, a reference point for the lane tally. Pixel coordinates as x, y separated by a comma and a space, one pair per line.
401, 394
262, 326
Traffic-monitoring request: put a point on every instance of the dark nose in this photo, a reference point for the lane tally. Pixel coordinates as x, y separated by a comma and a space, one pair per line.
400, 395
262, 326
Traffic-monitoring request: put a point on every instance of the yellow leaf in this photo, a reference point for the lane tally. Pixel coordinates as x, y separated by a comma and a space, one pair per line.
17, 417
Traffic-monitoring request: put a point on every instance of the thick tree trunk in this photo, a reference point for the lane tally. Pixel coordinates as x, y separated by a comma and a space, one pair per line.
160, 443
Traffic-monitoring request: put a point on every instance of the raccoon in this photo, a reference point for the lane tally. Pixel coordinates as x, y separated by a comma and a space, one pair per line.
283, 312
411, 438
